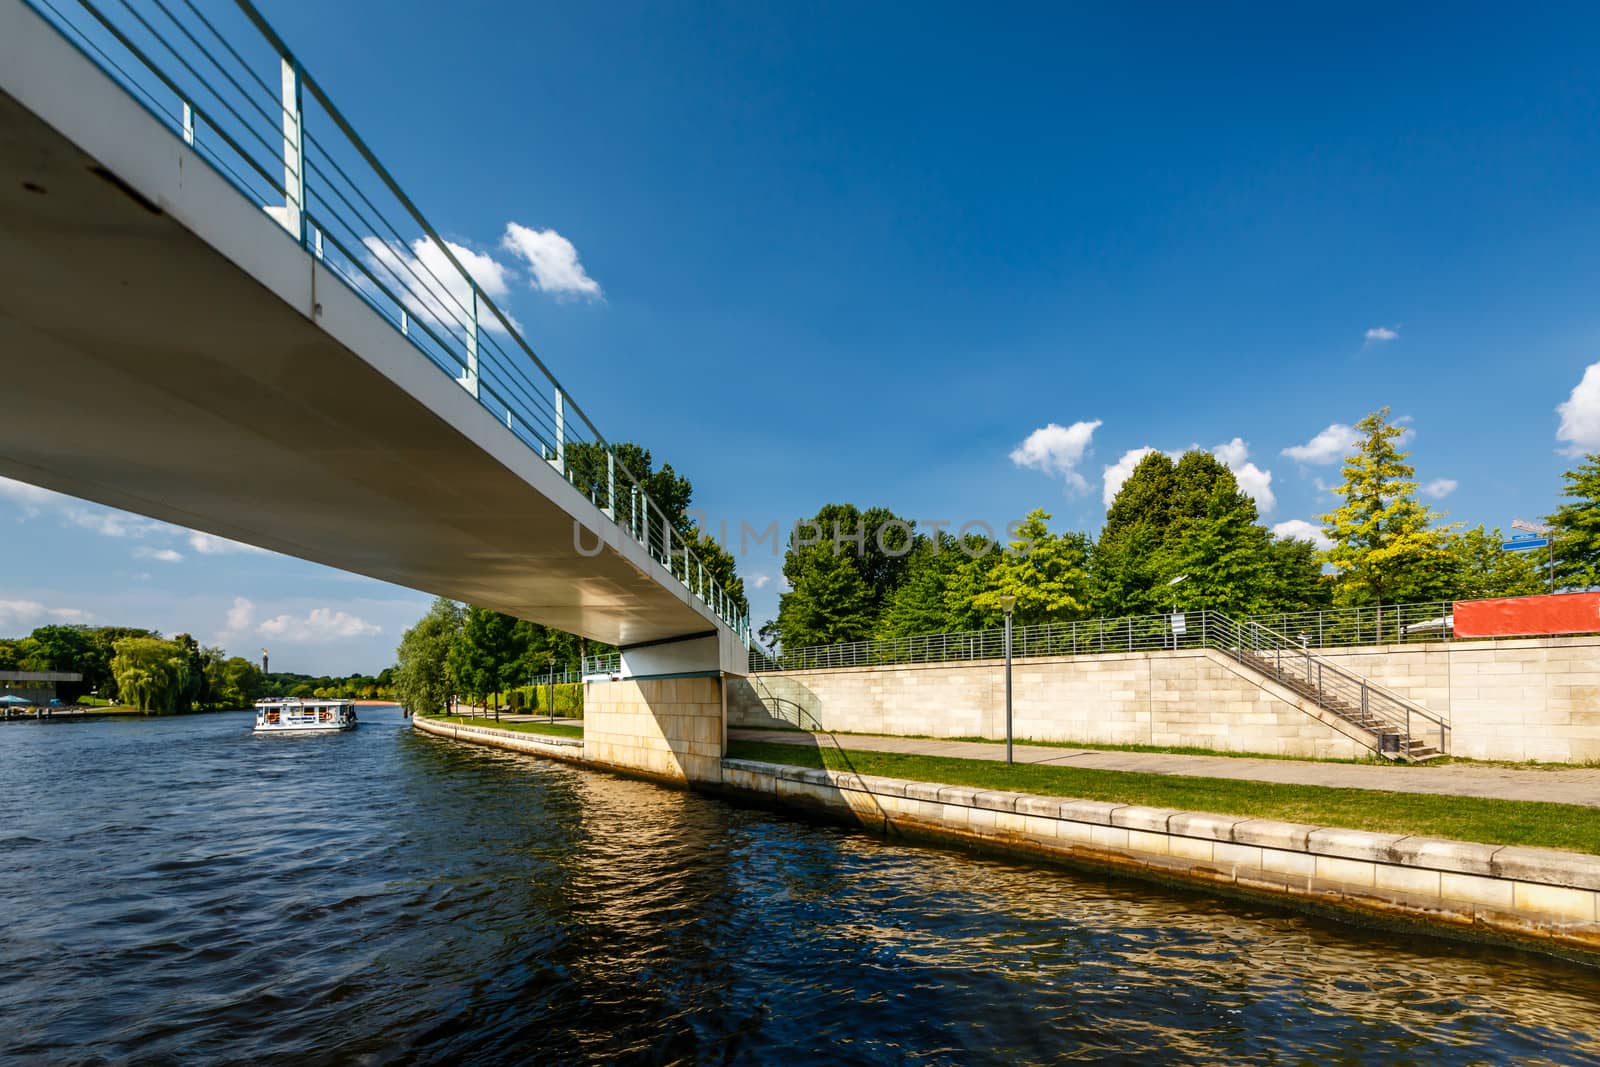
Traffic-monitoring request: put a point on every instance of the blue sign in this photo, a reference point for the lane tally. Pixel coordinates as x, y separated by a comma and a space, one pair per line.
1526, 542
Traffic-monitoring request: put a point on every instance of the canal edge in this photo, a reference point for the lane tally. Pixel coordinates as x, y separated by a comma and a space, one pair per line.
1540, 899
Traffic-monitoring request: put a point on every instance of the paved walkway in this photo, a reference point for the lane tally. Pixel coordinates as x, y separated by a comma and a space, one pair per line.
1578, 785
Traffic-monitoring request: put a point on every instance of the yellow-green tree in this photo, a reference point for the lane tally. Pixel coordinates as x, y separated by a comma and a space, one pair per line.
1046, 572
1386, 546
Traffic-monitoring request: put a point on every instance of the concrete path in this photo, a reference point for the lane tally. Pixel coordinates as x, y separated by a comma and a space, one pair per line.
1578, 785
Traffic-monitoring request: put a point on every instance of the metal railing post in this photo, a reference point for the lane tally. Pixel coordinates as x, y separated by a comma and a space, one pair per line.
560, 462
469, 377
611, 484
294, 179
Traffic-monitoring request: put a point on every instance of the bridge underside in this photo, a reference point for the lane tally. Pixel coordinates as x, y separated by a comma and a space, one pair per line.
165, 348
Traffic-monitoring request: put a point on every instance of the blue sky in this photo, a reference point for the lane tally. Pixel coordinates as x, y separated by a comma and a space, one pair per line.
822, 253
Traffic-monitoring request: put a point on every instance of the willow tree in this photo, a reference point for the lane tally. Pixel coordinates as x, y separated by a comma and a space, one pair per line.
1386, 546
151, 674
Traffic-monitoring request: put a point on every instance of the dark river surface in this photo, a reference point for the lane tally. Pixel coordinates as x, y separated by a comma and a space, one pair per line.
176, 890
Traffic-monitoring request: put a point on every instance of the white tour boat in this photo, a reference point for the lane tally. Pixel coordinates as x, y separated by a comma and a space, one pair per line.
276, 715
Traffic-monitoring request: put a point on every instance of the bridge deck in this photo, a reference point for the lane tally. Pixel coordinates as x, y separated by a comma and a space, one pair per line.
166, 348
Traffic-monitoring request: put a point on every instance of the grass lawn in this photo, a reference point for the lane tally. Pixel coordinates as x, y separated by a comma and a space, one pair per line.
1495, 822
1170, 750
554, 729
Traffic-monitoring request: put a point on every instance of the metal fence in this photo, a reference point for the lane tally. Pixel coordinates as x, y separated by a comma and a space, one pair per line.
226, 84
1379, 624
1331, 628
1400, 727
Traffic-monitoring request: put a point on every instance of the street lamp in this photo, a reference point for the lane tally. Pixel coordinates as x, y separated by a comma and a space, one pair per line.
1007, 605
552, 689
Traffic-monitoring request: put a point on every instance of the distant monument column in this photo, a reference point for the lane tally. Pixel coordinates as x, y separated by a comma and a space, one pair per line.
264, 662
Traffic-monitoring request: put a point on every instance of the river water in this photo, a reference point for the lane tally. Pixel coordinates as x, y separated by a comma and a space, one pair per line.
176, 890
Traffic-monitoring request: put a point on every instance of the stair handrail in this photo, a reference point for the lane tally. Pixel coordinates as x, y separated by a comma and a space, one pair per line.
1214, 622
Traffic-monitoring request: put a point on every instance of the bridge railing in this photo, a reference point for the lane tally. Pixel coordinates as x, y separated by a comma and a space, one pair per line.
229, 87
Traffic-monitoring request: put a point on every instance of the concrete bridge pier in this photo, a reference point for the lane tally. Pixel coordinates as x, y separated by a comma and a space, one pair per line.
667, 716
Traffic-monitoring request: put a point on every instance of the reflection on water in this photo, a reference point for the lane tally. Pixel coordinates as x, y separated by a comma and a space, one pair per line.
179, 890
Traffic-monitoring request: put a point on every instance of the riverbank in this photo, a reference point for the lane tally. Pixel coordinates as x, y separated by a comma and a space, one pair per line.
1535, 896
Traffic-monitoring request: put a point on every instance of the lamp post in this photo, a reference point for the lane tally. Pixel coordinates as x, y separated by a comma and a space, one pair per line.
552, 688
1007, 605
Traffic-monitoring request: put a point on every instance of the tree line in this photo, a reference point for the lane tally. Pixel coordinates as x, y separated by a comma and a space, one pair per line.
1179, 534
166, 675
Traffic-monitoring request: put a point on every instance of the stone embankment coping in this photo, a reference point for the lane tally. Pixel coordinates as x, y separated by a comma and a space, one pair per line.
1545, 896
1540, 897
567, 748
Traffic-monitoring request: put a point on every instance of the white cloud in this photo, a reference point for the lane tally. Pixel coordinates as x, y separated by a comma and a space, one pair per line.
1252, 480
160, 555
431, 288
30, 498
759, 581
1329, 446
1304, 531
1056, 449
1580, 414
34, 501
210, 545
320, 624
26, 614
1119, 472
552, 259
1381, 334
1440, 488
240, 616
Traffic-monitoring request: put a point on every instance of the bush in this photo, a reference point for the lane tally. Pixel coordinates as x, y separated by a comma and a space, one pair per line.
569, 698
515, 700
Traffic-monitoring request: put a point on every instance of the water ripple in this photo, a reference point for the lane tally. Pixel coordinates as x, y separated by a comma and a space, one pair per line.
181, 891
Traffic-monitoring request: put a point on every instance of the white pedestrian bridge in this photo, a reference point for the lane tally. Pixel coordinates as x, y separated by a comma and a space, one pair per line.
217, 309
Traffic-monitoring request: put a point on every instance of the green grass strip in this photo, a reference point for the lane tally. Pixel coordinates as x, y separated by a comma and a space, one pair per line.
554, 729
1494, 822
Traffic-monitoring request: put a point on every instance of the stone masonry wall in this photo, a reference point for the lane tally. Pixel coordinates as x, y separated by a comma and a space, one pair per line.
1191, 697
1513, 699
666, 727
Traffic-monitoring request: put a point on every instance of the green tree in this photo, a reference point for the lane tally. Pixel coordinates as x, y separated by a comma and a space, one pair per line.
1576, 526
587, 469
421, 680
1385, 545
1046, 572
828, 601
1480, 568
484, 659
1127, 574
917, 606
239, 683
1294, 578
60, 648
720, 568
1214, 542
843, 567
